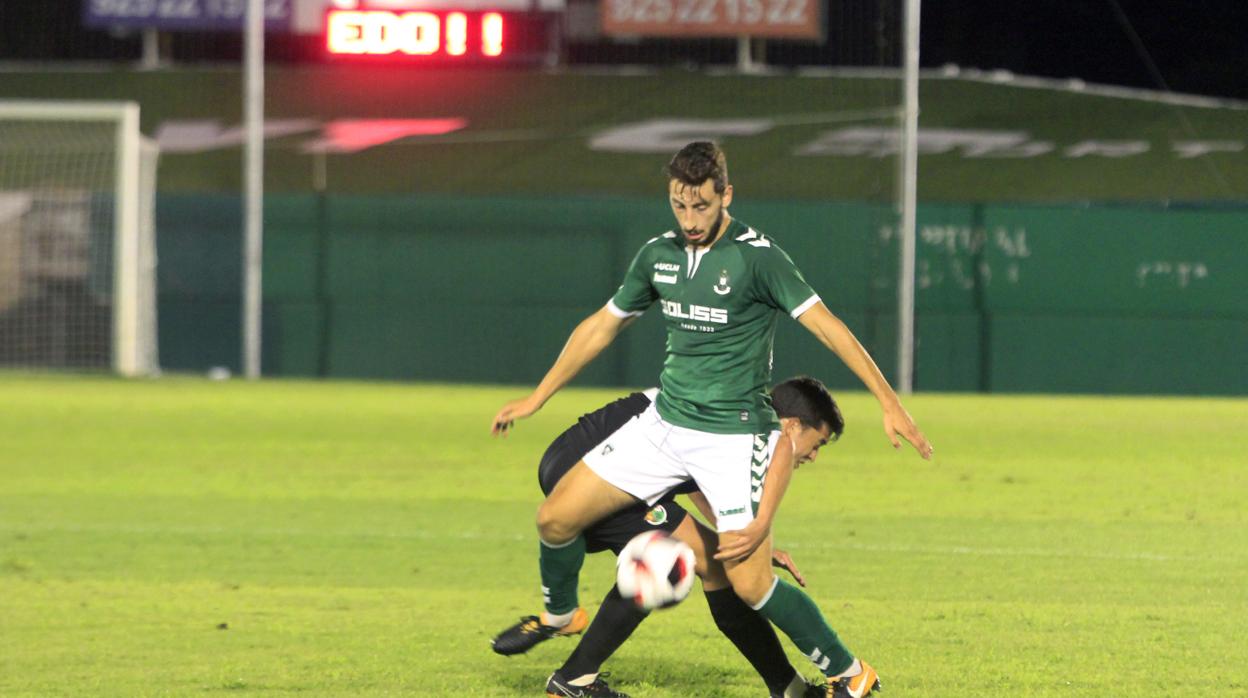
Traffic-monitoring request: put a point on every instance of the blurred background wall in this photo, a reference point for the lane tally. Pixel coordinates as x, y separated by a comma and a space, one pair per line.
450, 218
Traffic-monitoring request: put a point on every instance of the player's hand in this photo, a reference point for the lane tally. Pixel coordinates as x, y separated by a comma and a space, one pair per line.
506, 417
898, 422
738, 545
784, 561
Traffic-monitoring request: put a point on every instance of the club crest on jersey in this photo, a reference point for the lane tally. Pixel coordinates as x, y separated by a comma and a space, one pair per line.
722, 287
656, 516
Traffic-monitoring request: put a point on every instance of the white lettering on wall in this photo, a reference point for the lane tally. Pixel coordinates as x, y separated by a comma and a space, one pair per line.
1108, 149
337, 136
1194, 149
198, 136
948, 249
885, 142
670, 135
1181, 274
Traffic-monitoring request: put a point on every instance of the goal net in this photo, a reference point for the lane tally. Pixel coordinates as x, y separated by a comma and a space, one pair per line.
77, 239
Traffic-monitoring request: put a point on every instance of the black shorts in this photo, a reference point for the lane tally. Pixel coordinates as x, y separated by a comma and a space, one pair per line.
613, 532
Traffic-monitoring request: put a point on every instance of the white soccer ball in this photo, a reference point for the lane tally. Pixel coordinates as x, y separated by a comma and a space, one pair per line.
655, 570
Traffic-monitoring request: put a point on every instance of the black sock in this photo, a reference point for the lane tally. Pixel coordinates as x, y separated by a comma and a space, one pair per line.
753, 636
615, 621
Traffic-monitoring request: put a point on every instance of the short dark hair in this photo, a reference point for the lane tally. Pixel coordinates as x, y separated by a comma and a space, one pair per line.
698, 162
809, 401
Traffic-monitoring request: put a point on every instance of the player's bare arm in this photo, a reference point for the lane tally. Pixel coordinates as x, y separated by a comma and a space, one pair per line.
779, 558
837, 337
736, 545
703, 540
783, 560
587, 341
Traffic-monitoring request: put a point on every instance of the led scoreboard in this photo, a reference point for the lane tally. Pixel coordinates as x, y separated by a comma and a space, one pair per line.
441, 35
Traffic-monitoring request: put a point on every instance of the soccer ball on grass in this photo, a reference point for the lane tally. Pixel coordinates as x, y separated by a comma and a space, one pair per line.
655, 570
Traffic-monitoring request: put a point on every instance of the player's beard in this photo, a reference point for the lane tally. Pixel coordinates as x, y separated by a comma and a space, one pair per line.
712, 233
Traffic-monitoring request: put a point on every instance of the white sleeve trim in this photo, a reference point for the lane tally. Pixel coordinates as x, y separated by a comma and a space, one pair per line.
621, 314
806, 305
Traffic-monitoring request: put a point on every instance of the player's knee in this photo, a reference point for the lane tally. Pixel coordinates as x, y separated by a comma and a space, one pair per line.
752, 588
552, 528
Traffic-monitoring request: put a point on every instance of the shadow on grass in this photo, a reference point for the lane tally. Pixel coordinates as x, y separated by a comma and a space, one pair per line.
676, 676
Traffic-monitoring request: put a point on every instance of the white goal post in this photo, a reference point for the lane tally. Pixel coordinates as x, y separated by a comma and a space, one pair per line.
77, 238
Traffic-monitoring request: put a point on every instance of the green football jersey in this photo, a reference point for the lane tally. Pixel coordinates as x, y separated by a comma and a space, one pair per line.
720, 305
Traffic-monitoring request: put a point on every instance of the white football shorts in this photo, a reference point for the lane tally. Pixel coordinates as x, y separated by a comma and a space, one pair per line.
649, 456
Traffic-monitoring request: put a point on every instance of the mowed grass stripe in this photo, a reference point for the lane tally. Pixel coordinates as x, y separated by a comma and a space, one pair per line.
195, 532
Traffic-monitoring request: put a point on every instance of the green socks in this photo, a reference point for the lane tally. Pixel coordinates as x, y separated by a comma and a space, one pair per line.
791, 610
561, 568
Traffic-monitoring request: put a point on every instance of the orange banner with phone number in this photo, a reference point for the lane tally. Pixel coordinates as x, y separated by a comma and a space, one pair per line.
770, 19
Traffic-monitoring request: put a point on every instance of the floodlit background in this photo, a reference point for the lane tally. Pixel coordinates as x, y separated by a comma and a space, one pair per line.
442, 204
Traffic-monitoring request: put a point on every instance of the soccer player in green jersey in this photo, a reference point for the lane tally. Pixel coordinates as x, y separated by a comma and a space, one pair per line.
721, 286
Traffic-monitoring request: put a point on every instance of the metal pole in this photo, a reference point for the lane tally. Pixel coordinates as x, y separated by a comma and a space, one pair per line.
151, 49
253, 175
745, 61
909, 204
320, 183
126, 345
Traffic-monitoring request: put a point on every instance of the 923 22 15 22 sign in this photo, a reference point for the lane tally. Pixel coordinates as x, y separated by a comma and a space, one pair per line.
779, 19
181, 14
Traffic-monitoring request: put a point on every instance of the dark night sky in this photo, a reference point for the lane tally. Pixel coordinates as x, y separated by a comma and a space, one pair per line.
1199, 46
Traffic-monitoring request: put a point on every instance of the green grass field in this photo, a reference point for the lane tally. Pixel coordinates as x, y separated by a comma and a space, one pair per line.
185, 537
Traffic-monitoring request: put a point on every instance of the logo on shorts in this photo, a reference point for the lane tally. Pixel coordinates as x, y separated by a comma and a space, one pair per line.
656, 516
730, 512
760, 459
607, 449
